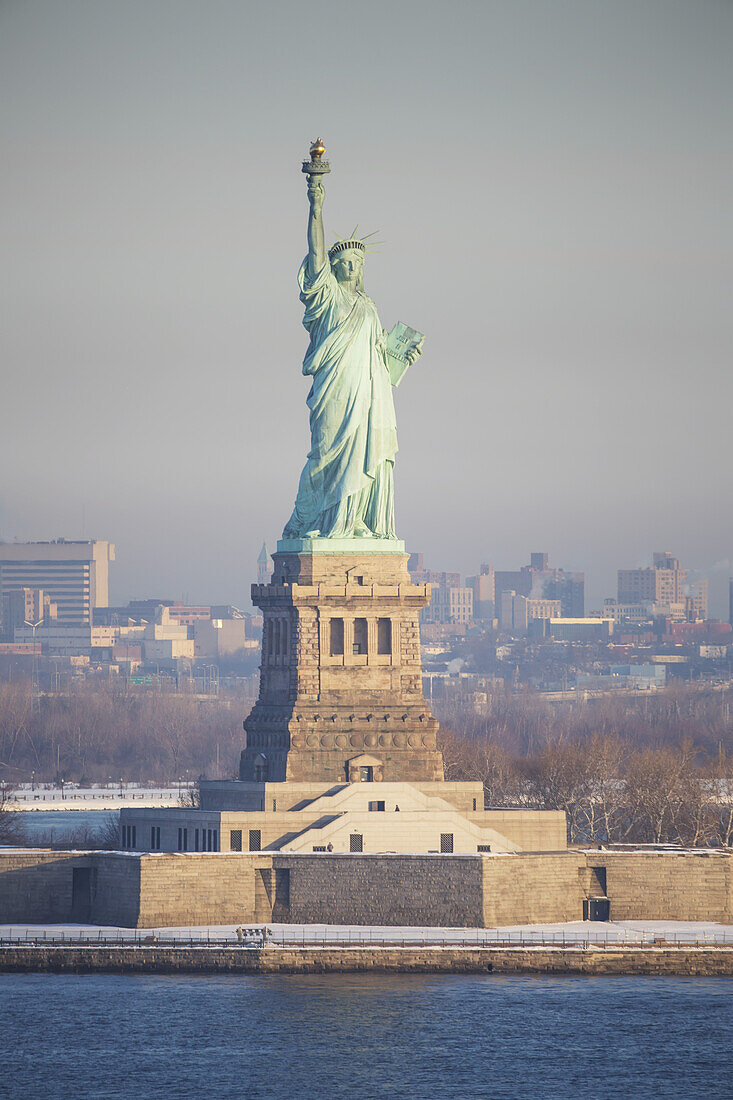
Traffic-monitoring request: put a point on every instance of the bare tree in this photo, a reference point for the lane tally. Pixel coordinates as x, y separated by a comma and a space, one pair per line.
11, 823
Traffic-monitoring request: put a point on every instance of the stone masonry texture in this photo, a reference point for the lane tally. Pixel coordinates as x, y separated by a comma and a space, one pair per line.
341, 673
146, 891
411, 890
693, 962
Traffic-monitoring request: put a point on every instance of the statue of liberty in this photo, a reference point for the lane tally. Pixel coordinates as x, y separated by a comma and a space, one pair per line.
346, 489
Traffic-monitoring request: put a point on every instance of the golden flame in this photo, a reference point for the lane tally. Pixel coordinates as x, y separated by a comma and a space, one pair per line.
317, 149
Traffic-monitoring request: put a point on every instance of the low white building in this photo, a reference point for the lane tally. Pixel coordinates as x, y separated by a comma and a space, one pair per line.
441, 817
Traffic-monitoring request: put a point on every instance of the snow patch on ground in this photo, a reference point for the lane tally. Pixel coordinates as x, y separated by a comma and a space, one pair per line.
573, 932
111, 797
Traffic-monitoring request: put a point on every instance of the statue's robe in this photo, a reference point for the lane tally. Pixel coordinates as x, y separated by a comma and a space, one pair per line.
346, 488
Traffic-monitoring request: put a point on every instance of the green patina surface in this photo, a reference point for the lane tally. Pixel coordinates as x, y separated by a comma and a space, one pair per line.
346, 489
341, 546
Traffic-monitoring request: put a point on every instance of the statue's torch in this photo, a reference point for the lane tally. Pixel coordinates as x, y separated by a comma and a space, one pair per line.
316, 166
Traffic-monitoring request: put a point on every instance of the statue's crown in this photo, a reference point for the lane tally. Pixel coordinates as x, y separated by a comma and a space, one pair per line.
351, 242
341, 246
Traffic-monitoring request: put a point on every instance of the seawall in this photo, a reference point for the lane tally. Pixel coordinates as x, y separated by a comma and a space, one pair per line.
159, 890
650, 961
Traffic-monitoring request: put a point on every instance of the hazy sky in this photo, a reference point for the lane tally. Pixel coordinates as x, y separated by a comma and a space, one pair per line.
552, 181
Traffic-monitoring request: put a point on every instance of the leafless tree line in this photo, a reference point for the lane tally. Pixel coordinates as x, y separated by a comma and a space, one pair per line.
656, 769
611, 791
522, 723
95, 734
11, 830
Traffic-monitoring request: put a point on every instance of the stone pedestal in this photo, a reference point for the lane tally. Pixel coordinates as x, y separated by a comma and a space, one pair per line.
341, 680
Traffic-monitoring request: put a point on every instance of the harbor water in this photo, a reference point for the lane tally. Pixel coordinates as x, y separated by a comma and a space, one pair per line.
363, 1036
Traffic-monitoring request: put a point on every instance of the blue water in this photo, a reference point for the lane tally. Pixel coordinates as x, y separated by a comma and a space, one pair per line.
55, 825
422, 1038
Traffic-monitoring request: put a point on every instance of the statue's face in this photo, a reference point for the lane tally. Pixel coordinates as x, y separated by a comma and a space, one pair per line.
348, 266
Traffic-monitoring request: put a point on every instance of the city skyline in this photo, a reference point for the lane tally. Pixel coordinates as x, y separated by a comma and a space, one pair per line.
154, 212
692, 578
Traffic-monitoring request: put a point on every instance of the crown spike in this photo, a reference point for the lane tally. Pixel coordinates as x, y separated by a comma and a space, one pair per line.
341, 244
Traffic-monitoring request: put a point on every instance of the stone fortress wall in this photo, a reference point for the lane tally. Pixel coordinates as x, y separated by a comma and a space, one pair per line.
169, 889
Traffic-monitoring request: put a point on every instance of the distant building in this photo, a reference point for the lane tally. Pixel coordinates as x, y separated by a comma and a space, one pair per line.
483, 588
59, 640
664, 584
145, 610
711, 631
420, 575
161, 638
415, 563
20, 649
517, 612
661, 583
438, 580
696, 600
219, 637
713, 652
538, 581
449, 602
187, 615
24, 605
638, 677
686, 610
633, 613
730, 601
127, 653
264, 566
74, 575
165, 639
580, 630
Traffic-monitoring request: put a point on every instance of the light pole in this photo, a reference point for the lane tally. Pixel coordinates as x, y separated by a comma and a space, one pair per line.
34, 674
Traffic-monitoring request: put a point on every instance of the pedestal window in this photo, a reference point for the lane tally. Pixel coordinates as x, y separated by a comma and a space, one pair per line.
337, 637
384, 635
360, 636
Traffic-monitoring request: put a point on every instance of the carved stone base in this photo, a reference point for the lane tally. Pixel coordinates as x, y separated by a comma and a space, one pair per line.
341, 676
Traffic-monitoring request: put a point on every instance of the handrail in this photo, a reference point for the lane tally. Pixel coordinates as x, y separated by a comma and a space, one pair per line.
264, 938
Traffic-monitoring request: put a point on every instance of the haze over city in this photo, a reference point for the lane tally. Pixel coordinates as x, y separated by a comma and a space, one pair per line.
553, 193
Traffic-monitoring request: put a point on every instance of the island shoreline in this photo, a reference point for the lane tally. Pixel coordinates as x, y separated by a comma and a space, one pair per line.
689, 961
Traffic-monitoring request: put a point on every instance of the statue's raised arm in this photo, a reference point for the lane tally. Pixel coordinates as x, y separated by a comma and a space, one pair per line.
315, 169
316, 237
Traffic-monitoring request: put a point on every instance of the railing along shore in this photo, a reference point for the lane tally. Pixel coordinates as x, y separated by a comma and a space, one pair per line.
264, 938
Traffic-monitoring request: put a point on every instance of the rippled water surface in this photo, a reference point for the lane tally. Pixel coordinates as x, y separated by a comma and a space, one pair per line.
45, 825
365, 1036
